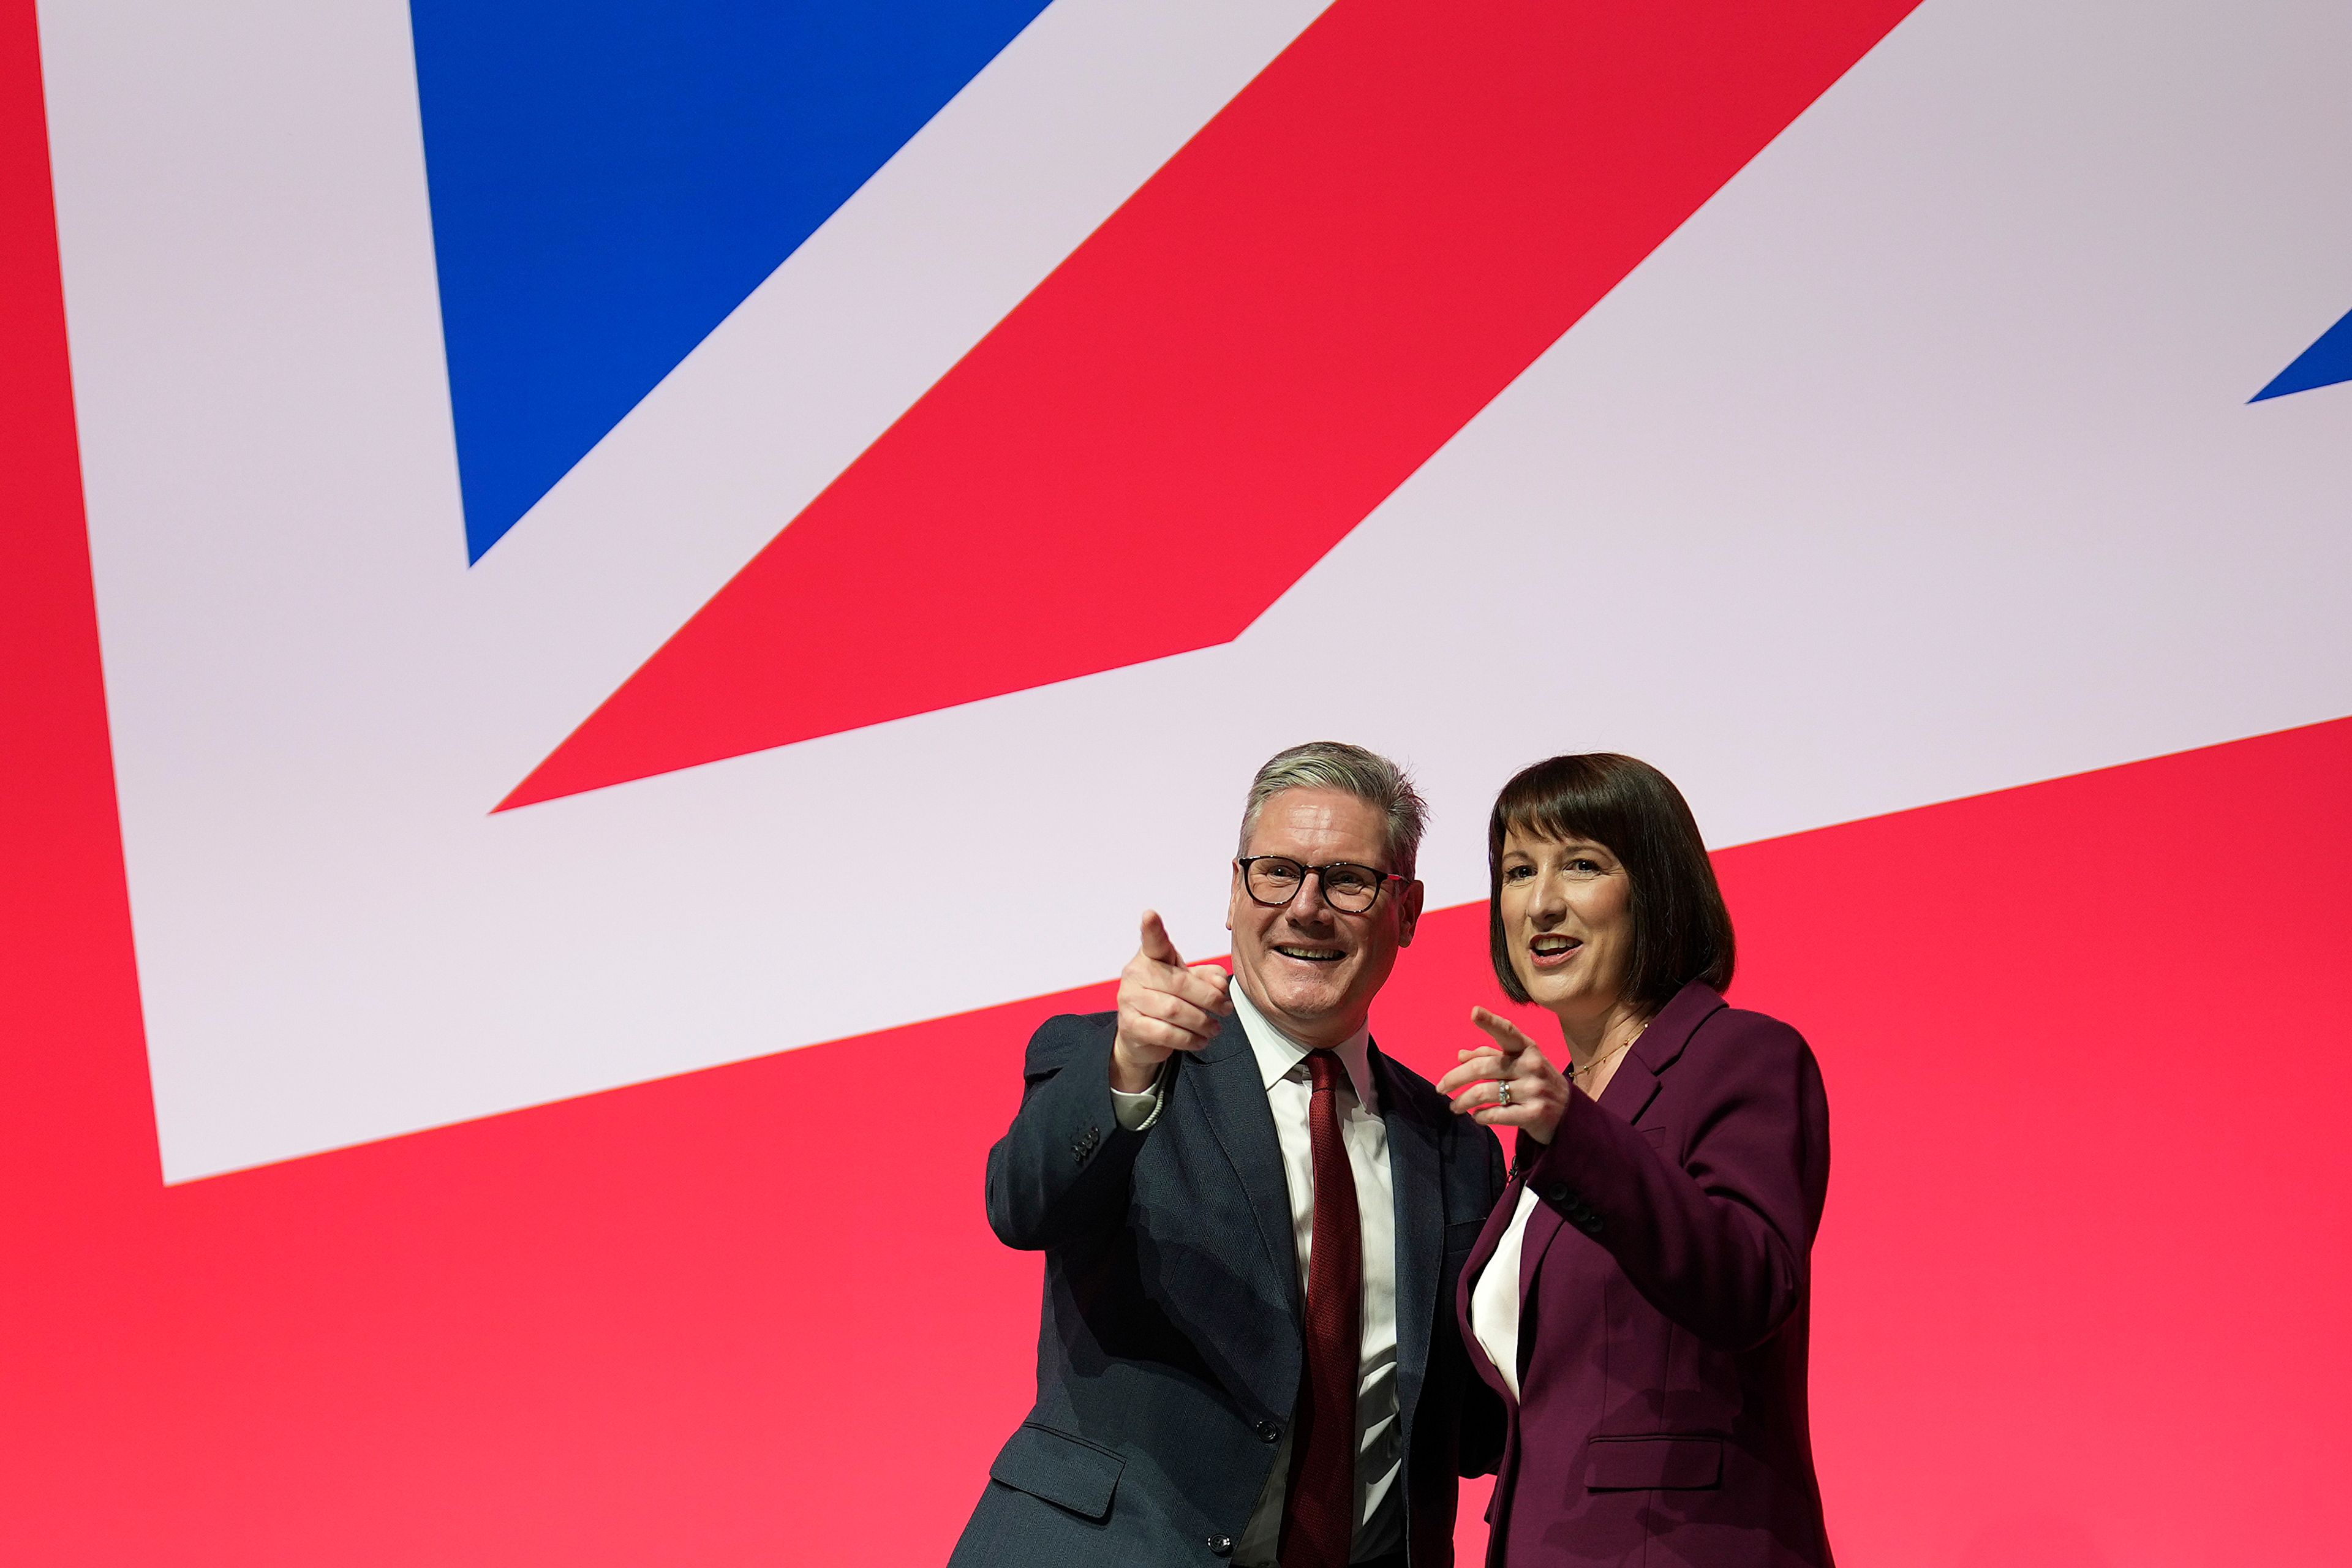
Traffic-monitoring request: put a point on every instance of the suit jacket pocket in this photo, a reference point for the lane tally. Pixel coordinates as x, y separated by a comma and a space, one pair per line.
1068, 1472
1645, 1464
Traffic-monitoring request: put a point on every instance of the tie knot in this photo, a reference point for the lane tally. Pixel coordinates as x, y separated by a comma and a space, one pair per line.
1326, 1069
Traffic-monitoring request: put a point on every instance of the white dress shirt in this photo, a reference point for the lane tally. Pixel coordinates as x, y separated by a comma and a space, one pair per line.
1380, 1454
1495, 1298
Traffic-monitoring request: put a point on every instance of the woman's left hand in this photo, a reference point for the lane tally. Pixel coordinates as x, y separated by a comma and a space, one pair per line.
1510, 1083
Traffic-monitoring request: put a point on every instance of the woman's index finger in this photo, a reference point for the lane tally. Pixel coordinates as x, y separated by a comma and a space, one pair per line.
1505, 1034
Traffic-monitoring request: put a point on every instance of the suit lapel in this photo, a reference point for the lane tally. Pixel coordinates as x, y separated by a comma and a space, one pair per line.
1414, 1176
1233, 1097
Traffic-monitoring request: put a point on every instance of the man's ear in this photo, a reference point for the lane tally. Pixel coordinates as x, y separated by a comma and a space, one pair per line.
1409, 914
1234, 898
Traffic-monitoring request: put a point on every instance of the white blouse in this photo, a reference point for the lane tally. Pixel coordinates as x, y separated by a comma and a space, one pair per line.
1495, 1299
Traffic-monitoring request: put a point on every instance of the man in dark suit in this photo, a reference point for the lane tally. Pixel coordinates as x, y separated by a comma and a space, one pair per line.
1252, 1221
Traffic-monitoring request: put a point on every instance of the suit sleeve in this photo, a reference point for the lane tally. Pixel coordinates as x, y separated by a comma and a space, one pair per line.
1062, 1168
1720, 1243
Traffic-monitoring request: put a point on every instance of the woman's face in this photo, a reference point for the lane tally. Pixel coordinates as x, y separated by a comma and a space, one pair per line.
1568, 914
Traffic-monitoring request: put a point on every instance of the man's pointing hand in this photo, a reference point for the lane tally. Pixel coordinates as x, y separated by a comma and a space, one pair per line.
1164, 1007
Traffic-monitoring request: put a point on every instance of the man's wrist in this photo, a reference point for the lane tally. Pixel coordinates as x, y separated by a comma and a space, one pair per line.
1136, 1109
1129, 1076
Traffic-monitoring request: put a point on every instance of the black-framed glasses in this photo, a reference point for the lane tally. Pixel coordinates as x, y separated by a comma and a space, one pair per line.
1275, 879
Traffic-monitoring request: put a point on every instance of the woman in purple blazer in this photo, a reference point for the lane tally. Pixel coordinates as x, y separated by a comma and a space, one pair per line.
1640, 1296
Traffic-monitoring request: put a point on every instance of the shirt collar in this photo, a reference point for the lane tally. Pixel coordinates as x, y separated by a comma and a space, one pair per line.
1277, 1054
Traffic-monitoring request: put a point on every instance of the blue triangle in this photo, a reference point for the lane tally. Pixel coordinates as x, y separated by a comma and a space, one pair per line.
2324, 363
610, 178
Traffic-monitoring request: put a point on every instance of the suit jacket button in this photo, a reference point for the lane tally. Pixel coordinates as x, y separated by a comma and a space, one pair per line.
1221, 1545
1270, 1431
1557, 1196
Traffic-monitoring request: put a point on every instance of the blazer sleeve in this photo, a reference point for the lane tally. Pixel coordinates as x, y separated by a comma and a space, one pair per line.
1062, 1168
1720, 1243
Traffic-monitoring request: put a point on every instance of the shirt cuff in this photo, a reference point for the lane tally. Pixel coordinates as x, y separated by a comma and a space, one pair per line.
1138, 1112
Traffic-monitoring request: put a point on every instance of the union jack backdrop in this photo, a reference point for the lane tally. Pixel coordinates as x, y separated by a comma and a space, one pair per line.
605, 603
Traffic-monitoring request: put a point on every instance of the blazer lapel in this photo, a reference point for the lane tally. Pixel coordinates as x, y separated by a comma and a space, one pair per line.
1415, 1176
1627, 1094
1234, 1096
1660, 1044
1630, 1089
1544, 1223
1481, 1252
1498, 1220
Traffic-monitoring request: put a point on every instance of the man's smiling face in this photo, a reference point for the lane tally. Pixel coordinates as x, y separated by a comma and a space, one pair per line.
1311, 969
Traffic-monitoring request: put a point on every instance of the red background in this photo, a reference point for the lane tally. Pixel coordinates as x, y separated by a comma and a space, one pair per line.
2081, 1292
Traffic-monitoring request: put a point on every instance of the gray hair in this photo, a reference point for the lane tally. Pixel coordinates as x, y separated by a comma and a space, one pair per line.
1352, 770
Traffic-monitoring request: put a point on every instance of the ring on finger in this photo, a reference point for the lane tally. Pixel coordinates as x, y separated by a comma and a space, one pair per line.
1502, 1094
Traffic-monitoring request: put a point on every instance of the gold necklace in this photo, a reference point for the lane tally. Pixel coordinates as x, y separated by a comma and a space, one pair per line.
1605, 1056
1595, 1062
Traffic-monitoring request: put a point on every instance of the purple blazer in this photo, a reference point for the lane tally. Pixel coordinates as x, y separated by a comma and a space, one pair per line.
1665, 1286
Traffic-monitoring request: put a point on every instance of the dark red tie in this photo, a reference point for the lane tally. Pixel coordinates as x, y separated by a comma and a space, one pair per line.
1318, 1512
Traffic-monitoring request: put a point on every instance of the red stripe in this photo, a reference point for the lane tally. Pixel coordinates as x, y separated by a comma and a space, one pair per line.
70, 1025
1369, 244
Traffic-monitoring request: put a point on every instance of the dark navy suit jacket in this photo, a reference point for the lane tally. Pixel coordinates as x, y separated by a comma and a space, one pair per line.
1666, 1282
1170, 1353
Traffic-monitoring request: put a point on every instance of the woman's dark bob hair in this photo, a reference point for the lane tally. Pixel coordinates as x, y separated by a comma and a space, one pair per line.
1682, 931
